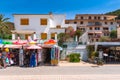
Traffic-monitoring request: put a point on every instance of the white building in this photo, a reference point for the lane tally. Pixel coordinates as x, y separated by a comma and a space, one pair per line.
39, 26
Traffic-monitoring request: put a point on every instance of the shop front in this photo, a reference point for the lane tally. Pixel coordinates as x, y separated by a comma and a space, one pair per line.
110, 51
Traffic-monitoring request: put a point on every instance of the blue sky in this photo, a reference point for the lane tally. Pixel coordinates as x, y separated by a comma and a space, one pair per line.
68, 7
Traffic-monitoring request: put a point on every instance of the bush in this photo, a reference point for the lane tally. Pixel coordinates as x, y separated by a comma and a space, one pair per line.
74, 57
94, 54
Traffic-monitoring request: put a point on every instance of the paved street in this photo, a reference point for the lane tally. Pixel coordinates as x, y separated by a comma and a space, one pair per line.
88, 72
65, 70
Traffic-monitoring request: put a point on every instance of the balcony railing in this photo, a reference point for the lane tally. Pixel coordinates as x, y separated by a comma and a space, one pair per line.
96, 36
94, 25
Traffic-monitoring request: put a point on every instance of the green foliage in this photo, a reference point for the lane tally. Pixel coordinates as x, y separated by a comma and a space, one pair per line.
90, 49
116, 12
78, 33
62, 37
94, 54
74, 57
113, 34
5, 31
104, 38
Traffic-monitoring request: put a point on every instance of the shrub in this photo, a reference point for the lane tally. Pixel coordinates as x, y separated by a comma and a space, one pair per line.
74, 57
94, 54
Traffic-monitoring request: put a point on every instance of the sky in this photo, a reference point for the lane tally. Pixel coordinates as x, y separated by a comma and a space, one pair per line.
68, 7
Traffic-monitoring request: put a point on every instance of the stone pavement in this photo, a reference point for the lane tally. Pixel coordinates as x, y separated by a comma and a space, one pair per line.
65, 63
60, 77
64, 71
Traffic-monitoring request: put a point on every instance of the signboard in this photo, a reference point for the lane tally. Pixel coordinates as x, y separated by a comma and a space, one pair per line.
117, 48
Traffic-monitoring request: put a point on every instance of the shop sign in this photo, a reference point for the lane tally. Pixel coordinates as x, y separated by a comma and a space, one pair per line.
117, 48
112, 48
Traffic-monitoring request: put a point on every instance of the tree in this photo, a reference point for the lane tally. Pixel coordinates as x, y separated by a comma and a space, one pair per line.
104, 38
116, 12
78, 33
90, 49
62, 37
113, 34
4, 30
70, 31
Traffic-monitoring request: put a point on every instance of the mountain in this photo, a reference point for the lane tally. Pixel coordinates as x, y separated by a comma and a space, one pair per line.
116, 12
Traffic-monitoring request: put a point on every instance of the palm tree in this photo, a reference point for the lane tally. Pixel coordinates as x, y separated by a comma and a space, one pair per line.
4, 30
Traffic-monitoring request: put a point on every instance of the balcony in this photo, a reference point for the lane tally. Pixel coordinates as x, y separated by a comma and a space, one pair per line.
95, 31
94, 36
105, 31
94, 25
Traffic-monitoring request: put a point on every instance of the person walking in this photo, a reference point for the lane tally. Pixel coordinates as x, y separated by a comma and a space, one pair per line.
21, 57
33, 59
4, 56
1, 60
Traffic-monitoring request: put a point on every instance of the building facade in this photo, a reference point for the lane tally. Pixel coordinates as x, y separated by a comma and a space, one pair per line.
96, 25
39, 26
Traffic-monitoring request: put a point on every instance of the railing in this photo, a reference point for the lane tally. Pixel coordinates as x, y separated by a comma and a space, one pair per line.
95, 25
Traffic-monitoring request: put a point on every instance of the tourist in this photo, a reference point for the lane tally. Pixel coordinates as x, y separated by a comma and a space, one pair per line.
1, 60
33, 59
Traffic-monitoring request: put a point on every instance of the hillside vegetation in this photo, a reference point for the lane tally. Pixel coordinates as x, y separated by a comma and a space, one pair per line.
116, 12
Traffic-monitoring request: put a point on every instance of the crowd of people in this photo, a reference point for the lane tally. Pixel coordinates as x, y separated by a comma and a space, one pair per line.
7, 58
19, 57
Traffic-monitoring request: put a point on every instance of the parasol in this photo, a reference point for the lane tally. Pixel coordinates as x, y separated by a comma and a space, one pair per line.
51, 41
34, 47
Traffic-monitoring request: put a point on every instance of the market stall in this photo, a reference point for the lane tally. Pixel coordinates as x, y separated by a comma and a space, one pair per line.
50, 53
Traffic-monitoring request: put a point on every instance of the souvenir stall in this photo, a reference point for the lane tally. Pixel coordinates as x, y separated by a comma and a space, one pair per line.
50, 53
31, 57
10, 51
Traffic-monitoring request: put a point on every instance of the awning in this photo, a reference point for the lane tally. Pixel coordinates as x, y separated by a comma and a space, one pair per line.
23, 31
108, 43
12, 46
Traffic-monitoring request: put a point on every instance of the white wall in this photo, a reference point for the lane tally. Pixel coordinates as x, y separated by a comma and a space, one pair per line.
34, 23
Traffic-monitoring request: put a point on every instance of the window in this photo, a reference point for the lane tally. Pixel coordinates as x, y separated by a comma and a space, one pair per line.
97, 28
89, 17
24, 21
81, 17
27, 36
105, 28
97, 39
43, 35
81, 22
53, 35
75, 22
90, 28
98, 17
105, 18
106, 34
90, 23
95, 17
82, 29
43, 21
111, 23
98, 24
106, 23
58, 26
